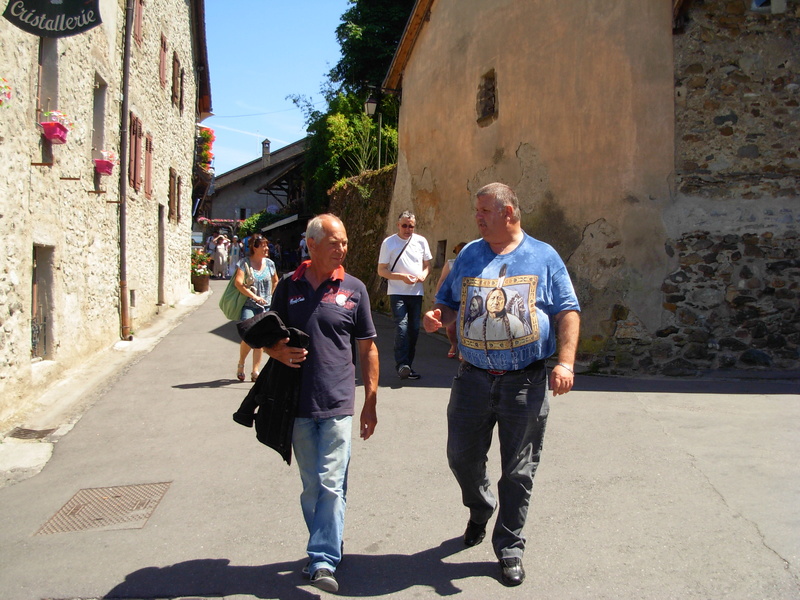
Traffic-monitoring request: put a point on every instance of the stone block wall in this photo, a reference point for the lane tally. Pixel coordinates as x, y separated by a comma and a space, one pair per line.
737, 96
732, 300
52, 202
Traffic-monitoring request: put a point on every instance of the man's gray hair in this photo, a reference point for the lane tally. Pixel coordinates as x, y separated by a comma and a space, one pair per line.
406, 214
503, 196
315, 229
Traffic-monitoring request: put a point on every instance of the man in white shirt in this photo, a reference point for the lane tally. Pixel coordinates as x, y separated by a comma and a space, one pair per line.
404, 261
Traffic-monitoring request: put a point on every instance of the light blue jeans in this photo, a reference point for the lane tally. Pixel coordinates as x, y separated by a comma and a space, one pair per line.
322, 450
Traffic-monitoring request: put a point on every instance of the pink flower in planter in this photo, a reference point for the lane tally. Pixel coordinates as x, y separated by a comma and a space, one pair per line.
55, 132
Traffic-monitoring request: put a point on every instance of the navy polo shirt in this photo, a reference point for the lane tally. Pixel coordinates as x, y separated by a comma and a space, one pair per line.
334, 316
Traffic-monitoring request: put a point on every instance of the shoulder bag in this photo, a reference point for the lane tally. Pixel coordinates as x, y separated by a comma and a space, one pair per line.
232, 299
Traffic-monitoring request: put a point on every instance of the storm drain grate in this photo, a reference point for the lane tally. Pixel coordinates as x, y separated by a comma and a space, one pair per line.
21, 433
123, 507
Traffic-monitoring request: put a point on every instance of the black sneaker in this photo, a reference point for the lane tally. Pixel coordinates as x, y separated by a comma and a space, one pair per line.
404, 371
414, 375
324, 580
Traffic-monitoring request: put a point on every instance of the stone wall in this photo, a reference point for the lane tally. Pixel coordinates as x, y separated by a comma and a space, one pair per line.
53, 203
733, 299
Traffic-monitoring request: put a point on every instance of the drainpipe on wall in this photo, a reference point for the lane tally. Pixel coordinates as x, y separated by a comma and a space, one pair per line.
125, 317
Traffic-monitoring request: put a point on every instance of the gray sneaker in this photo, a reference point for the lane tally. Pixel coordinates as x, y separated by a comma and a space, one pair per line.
324, 580
403, 371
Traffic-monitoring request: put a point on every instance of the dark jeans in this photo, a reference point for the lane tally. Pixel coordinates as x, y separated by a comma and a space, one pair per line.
517, 403
406, 311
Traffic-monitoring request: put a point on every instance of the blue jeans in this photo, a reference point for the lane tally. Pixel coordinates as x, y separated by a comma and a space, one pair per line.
251, 310
322, 450
406, 311
517, 403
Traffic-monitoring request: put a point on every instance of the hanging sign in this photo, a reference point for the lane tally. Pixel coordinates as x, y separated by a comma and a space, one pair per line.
54, 18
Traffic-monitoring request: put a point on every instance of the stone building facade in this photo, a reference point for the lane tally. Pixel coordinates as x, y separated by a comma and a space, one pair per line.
60, 275
656, 150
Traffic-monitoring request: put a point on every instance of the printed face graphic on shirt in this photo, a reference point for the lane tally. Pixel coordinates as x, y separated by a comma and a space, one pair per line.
498, 318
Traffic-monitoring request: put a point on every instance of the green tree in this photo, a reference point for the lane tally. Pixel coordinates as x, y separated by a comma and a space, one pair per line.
368, 36
343, 140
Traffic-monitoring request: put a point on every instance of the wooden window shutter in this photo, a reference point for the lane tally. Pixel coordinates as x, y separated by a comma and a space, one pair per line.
162, 62
148, 166
173, 176
138, 19
176, 73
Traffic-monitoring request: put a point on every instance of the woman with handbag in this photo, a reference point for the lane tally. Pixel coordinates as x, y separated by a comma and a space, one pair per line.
255, 278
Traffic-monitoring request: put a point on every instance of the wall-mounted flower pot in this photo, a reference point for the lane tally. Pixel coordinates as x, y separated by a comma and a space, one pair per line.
55, 132
102, 166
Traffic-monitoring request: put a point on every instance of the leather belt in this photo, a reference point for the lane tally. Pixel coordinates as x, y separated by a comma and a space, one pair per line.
538, 364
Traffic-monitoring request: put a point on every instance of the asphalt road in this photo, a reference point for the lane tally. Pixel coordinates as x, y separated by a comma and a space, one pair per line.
651, 489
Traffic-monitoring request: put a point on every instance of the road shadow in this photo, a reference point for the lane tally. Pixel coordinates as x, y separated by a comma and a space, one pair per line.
716, 382
359, 575
215, 383
227, 331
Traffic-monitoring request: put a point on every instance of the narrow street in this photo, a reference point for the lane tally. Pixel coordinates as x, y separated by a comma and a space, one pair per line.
648, 489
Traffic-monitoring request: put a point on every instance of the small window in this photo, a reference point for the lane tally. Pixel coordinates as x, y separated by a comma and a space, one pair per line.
487, 97
47, 85
441, 248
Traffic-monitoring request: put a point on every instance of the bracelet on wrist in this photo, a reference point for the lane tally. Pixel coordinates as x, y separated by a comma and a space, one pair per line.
566, 367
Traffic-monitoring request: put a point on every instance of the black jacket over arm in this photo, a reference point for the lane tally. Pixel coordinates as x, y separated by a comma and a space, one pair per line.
276, 392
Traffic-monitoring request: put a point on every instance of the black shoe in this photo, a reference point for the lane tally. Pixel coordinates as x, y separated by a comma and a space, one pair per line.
403, 371
324, 580
511, 571
414, 375
474, 533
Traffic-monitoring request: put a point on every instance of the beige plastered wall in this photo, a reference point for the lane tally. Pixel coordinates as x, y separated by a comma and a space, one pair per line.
583, 133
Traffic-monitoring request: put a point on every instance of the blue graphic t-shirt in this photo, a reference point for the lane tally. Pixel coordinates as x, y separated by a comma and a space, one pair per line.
507, 302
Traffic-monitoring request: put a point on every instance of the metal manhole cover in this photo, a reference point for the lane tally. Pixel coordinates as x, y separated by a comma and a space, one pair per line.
21, 433
123, 507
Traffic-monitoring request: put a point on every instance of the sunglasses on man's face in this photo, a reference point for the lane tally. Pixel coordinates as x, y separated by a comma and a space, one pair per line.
407, 226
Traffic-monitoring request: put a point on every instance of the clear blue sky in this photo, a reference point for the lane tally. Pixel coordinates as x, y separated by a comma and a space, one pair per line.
259, 52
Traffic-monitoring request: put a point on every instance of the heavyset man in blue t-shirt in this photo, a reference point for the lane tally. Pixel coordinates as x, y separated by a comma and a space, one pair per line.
511, 297
333, 308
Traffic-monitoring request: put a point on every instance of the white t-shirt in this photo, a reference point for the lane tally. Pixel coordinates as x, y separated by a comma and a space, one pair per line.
411, 262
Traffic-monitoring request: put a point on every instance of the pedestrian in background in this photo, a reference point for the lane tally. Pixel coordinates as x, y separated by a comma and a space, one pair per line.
234, 255
255, 278
333, 308
404, 260
502, 379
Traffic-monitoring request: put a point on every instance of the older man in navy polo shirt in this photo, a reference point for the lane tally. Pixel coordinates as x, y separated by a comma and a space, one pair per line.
333, 308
